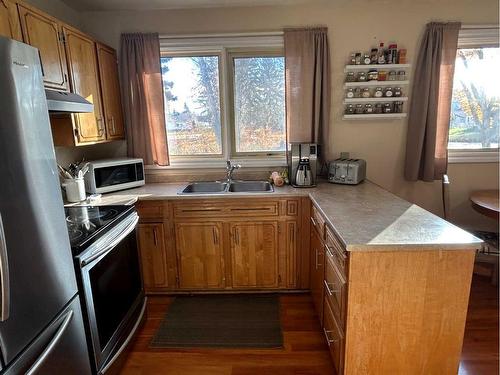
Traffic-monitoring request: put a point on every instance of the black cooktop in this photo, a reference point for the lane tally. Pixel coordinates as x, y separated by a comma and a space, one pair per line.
87, 223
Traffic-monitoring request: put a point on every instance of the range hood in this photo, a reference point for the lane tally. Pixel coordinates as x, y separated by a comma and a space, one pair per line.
67, 102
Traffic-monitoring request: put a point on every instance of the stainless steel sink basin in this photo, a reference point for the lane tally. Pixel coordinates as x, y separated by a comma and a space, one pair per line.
216, 187
250, 187
205, 187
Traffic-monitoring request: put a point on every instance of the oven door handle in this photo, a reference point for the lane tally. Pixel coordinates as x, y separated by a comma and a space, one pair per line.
124, 233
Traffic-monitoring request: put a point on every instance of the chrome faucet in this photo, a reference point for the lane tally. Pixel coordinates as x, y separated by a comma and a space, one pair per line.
230, 167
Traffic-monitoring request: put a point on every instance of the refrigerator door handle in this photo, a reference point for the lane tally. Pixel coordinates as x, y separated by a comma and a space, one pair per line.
4, 275
52, 344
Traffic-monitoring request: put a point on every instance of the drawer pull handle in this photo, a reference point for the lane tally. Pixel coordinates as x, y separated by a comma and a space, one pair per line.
329, 340
330, 290
314, 222
155, 237
329, 251
317, 259
216, 239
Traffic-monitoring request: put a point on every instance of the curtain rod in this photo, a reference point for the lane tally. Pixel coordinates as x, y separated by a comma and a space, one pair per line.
480, 26
221, 35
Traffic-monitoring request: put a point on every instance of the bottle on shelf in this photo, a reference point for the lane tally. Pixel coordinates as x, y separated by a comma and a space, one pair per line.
381, 54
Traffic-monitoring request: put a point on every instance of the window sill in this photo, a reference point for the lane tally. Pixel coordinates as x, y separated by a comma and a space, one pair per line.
473, 156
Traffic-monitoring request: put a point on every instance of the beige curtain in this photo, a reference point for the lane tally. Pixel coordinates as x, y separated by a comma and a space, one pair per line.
307, 63
143, 98
429, 115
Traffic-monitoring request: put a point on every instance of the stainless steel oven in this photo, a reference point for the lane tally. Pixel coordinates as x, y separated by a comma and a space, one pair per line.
111, 286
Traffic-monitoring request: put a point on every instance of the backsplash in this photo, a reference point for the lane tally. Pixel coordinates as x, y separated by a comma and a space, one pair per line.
204, 175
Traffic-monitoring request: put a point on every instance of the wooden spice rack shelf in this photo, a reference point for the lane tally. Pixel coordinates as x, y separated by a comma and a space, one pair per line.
375, 100
349, 68
376, 116
376, 84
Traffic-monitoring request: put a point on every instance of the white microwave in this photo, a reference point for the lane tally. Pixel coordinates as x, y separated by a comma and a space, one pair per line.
108, 175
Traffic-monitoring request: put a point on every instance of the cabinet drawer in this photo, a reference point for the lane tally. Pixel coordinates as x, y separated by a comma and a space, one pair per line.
336, 250
150, 210
335, 289
226, 209
334, 338
318, 222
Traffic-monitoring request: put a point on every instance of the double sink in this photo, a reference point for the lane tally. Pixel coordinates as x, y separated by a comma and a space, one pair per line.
217, 187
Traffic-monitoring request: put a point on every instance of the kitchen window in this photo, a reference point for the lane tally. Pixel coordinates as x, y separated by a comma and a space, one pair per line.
224, 99
475, 107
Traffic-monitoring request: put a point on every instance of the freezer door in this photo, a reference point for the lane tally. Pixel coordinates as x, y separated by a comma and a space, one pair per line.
60, 349
37, 276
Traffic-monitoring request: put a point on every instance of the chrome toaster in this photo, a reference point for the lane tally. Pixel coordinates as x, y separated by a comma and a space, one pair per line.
347, 171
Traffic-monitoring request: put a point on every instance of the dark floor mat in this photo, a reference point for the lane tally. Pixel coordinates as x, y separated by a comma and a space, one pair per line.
221, 321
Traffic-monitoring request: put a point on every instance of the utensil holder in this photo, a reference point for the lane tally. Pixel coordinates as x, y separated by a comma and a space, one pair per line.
75, 190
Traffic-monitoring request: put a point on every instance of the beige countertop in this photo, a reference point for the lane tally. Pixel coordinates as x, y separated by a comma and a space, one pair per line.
365, 216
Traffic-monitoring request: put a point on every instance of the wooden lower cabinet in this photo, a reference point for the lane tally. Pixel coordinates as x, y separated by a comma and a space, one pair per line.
153, 255
254, 255
317, 263
334, 337
199, 255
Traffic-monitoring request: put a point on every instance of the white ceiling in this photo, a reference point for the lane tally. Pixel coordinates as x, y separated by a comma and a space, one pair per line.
88, 5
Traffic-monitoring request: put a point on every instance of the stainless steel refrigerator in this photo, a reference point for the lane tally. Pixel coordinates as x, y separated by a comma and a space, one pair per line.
41, 327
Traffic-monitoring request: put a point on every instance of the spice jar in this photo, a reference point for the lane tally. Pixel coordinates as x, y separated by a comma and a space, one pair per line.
361, 77
398, 92
382, 75
398, 107
349, 110
401, 75
366, 93
378, 108
350, 77
388, 92
366, 59
357, 58
378, 92
368, 108
387, 108
372, 75
357, 92
350, 93
392, 75
359, 109
352, 60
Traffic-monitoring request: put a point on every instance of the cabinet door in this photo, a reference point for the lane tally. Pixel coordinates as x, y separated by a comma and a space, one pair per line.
110, 88
199, 255
317, 272
254, 254
9, 20
82, 63
44, 33
153, 256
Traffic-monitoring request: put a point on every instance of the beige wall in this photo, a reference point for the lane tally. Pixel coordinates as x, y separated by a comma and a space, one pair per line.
353, 25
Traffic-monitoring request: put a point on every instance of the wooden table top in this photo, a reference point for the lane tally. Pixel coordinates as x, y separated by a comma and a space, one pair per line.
486, 202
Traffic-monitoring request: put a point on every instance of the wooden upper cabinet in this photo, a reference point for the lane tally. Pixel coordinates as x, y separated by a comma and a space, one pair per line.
84, 75
153, 256
199, 255
44, 32
254, 254
110, 88
10, 26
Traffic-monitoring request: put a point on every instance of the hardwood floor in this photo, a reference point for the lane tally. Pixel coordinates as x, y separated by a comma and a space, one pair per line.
305, 351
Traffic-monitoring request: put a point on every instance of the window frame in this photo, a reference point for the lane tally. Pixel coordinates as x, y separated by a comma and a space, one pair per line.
247, 53
476, 37
222, 46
